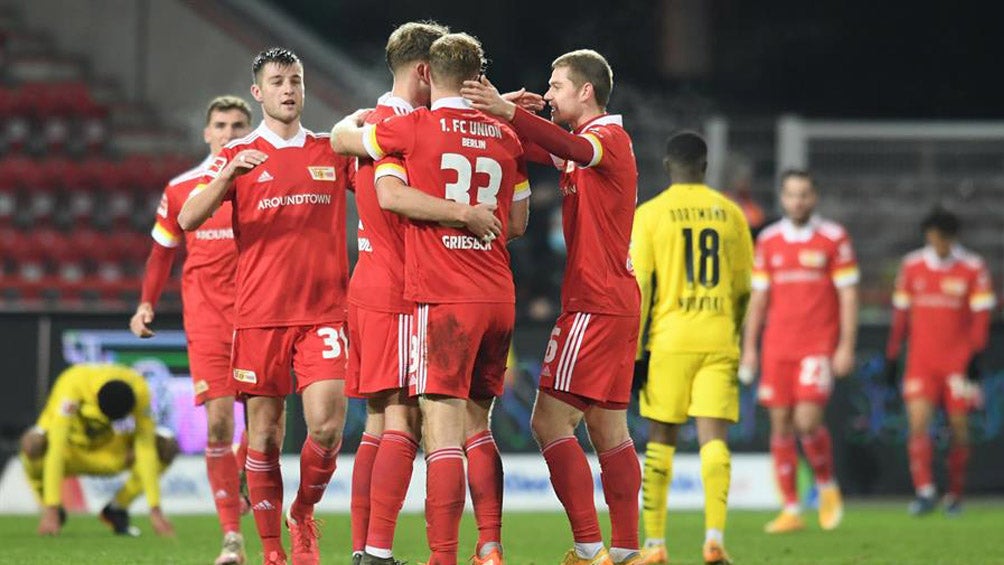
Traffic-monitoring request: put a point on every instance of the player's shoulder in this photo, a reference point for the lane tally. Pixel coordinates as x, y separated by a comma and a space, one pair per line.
831, 230
771, 232
970, 258
249, 141
914, 258
191, 175
316, 136
607, 123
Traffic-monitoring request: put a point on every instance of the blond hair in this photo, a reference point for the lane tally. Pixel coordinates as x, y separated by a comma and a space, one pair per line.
226, 103
454, 58
410, 42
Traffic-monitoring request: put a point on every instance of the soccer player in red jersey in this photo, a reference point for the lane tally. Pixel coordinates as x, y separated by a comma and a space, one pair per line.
589, 362
287, 189
805, 279
943, 300
462, 283
207, 295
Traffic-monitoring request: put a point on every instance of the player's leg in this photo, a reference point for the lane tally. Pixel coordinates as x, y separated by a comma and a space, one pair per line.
919, 412
777, 394
818, 448
266, 415
957, 402
362, 472
167, 450
620, 476
395, 459
484, 476
716, 464
443, 430
553, 423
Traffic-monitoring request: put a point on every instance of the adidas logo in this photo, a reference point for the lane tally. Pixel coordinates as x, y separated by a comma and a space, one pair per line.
264, 177
263, 505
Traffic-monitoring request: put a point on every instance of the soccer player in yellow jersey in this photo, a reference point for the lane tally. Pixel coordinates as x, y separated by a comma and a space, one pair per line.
97, 422
693, 256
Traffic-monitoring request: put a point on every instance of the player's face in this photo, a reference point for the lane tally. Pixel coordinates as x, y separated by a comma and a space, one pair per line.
225, 126
565, 100
798, 199
279, 89
941, 242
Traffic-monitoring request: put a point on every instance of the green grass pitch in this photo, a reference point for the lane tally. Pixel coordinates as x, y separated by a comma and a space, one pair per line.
871, 533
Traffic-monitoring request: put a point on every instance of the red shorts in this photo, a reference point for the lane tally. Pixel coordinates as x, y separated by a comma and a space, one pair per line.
209, 363
941, 387
378, 351
591, 356
787, 382
265, 359
460, 350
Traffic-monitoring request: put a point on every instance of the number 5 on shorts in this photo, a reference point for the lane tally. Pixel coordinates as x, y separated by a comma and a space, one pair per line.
335, 342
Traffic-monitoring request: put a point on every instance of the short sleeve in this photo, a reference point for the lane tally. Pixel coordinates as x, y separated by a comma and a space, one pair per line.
521, 190
166, 230
393, 136
761, 269
901, 292
981, 296
844, 264
214, 170
390, 167
605, 146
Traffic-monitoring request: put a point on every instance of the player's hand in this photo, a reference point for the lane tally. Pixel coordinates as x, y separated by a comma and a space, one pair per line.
748, 366
49, 524
139, 324
843, 361
483, 96
892, 373
359, 116
482, 222
160, 524
244, 161
974, 372
529, 101
640, 378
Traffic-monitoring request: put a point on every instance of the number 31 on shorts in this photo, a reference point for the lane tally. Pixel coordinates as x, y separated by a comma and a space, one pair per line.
817, 373
335, 342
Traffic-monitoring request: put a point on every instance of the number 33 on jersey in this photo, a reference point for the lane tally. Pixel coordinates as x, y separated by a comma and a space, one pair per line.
695, 245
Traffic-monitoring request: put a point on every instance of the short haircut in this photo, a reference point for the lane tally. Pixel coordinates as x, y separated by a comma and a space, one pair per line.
410, 42
795, 173
586, 65
687, 150
116, 399
225, 104
278, 55
942, 220
456, 57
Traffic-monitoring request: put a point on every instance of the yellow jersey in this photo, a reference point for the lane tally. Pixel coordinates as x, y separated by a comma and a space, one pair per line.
72, 417
693, 256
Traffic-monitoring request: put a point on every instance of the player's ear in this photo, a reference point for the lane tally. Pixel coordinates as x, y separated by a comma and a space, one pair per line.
586, 92
206, 134
422, 69
256, 91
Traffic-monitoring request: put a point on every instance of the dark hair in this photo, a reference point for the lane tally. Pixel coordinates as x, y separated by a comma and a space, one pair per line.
226, 103
687, 150
798, 174
410, 42
278, 55
942, 220
116, 399
586, 65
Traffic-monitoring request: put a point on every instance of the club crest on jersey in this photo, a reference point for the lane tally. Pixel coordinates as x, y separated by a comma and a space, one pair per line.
322, 173
811, 258
245, 376
953, 286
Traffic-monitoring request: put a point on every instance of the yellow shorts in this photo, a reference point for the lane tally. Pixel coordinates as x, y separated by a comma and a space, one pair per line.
682, 385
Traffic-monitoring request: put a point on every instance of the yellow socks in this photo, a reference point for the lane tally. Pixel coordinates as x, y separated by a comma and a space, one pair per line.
716, 473
656, 478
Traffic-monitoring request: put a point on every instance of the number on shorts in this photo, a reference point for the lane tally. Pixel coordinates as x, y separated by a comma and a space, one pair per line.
816, 372
334, 340
552, 346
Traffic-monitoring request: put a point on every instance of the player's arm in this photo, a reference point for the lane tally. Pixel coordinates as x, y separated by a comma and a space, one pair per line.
218, 183
347, 135
519, 212
756, 314
742, 269
57, 435
901, 301
981, 303
643, 262
167, 235
845, 278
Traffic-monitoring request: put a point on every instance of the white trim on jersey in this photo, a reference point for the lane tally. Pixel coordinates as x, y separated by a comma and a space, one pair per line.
570, 353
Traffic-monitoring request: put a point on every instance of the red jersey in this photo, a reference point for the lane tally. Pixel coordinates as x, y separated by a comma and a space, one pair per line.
207, 278
289, 224
943, 298
378, 279
597, 214
454, 152
801, 268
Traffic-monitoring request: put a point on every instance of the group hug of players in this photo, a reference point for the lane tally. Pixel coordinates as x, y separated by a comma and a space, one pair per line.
423, 328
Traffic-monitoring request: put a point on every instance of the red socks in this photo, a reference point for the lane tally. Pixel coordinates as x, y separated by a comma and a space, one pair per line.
485, 475
317, 464
958, 459
621, 477
362, 474
920, 451
785, 455
819, 451
444, 503
221, 467
242, 451
573, 483
395, 459
265, 490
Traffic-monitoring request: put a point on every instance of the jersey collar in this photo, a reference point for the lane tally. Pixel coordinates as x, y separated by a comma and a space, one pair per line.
388, 99
603, 120
270, 136
799, 234
454, 102
936, 263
